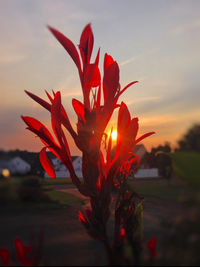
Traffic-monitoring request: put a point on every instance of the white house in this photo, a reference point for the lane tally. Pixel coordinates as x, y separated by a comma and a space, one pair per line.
62, 172
146, 173
18, 166
140, 150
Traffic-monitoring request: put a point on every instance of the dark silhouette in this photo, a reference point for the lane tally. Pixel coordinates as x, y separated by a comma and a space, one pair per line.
191, 140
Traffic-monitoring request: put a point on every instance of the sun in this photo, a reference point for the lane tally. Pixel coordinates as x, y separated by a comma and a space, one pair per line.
114, 135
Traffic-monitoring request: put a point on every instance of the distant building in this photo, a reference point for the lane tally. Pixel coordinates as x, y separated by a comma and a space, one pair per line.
19, 166
144, 170
16, 166
140, 150
146, 173
62, 172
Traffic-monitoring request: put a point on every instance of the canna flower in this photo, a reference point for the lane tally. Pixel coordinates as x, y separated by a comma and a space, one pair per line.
101, 95
151, 245
22, 254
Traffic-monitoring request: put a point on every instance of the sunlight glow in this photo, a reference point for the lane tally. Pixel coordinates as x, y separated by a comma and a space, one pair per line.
114, 135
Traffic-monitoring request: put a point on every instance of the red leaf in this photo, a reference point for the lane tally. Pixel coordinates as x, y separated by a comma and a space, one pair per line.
47, 165
79, 109
68, 45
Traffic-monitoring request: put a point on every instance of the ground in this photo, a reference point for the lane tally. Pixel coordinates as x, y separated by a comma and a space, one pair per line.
65, 240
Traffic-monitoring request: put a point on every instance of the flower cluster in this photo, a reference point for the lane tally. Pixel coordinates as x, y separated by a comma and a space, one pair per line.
22, 254
100, 99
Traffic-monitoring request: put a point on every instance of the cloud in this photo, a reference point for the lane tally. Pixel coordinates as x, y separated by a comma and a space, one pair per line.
10, 58
71, 94
187, 27
128, 61
143, 99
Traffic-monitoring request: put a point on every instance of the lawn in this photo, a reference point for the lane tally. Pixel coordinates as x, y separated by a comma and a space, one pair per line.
162, 191
187, 169
187, 166
47, 198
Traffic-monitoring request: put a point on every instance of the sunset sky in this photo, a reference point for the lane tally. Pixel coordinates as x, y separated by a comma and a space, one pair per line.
154, 42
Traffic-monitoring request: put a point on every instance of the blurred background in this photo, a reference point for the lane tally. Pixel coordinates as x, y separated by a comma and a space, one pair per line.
155, 42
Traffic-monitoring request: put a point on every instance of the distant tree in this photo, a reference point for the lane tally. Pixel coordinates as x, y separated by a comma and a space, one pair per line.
191, 140
164, 164
166, 148
161, 159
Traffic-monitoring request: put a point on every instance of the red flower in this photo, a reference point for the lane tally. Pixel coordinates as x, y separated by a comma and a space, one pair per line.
5, 256
151, 245
100, 99
23, 252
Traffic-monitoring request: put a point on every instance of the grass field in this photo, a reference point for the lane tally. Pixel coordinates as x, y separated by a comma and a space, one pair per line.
10, 200
187, 166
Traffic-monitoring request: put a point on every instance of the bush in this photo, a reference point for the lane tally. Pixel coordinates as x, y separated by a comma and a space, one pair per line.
30, 191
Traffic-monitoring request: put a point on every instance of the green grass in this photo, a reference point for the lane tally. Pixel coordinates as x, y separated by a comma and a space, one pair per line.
56, 181
10, 201
63, 199
162, 191
187, 166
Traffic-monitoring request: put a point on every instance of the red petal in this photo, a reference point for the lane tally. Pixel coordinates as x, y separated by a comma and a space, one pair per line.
65, 119
47, 165
143, 136
56, 116
68, 45
108, 60
98, 103
79, 109
86, 43
126, 87
108, 156
124, 118
92, 76
39, 128
97, 58
39, 100
133, 128
122, 233
110, 82
81, 217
